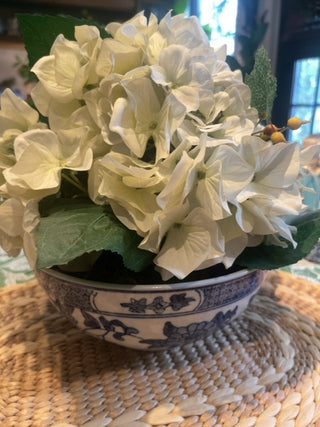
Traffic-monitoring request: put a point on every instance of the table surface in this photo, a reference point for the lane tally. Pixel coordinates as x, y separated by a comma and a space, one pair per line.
263, 369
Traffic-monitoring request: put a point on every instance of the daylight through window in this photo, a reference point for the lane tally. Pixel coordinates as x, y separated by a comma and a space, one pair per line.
305, 97
219, 18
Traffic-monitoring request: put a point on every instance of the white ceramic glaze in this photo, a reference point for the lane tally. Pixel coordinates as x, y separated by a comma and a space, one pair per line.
151, 317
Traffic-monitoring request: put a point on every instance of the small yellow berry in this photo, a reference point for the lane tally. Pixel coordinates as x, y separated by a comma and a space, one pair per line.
267, 131
264, 136
295, 123
277, 137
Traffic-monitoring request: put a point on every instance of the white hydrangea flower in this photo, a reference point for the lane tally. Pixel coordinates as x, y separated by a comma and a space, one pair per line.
31, 219
41, 155
189, 243
182, 75
99, 102
16, 117
194, 175
18, 224
69, 117
16, 113
89, 41
134, 32
11, 229
184, 31
144, 114
209, 189
276, 169
156, 43
162, 221
235, 239
70, 66
236, 172
273, 192
162, 129
116, 57
308, 153
57, 72
130, 186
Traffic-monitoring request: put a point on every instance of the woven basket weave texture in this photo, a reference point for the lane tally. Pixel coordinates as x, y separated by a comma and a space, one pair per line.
261, 370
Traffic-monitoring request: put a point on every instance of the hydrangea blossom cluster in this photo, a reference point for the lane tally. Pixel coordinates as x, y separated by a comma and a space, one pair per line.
164, 130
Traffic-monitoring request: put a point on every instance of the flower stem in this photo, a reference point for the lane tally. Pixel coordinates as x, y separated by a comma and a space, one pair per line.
73, 180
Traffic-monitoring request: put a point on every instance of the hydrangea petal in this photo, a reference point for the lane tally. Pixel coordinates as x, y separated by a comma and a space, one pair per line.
16, 113
189, 244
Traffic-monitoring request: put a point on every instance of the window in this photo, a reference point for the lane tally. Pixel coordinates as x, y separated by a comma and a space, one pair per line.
305, 97
298, 68
219, 18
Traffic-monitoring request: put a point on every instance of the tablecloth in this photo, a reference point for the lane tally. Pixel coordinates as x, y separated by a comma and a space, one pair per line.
263, 369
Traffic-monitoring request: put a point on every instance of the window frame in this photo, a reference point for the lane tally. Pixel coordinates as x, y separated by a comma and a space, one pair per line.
302, 44
311, 106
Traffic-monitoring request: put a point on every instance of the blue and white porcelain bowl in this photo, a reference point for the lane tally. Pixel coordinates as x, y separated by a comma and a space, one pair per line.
151, 317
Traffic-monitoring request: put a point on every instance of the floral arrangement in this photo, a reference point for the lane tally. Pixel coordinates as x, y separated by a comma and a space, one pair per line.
142, 142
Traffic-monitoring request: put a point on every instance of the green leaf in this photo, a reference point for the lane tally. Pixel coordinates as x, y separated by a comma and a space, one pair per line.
233, 63
74, 227
40, 31
180, 6
268, 257
259, 31
263, 84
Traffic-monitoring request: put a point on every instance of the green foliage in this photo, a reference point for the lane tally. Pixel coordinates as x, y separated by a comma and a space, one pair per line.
40, 31
24, 71
71, 228
180, 6
249, 44
263, 84
270, 257
208, 30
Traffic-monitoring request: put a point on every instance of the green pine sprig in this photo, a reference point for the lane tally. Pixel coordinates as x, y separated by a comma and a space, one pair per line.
263, 85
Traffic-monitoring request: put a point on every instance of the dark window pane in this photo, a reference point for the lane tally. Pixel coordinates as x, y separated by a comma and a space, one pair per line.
305, 81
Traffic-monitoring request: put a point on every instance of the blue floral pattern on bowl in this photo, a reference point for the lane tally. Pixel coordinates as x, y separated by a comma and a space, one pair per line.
151, 317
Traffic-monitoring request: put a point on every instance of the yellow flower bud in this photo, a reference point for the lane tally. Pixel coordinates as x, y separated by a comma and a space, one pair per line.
277, 137
294, 122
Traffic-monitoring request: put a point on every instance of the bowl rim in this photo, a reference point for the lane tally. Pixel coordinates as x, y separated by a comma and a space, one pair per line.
147, 287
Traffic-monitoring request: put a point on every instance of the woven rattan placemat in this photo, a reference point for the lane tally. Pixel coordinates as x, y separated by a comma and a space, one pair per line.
262, 370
